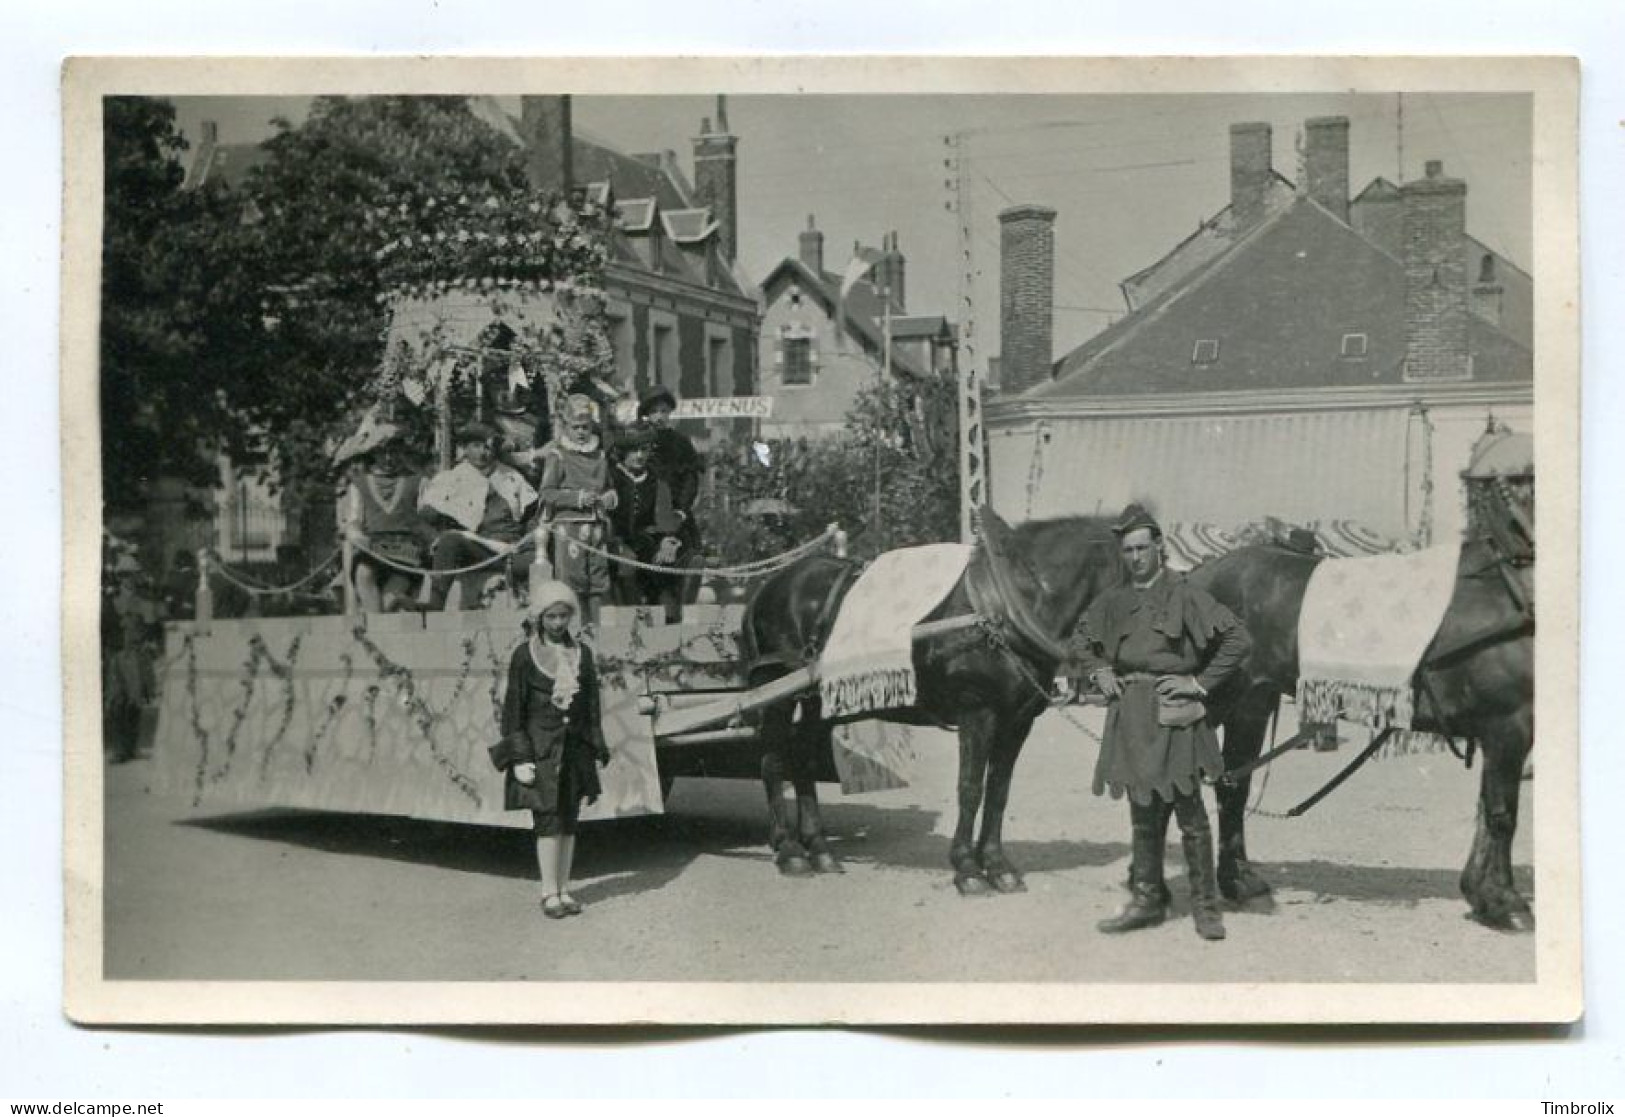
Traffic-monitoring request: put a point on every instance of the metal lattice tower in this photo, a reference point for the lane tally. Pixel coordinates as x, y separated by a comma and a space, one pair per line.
972, 435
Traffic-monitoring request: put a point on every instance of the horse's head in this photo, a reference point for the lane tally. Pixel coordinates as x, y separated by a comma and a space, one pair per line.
1066, 562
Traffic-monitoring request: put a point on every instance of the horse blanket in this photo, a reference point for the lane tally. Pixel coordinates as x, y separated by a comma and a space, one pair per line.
1364, 626
867, 663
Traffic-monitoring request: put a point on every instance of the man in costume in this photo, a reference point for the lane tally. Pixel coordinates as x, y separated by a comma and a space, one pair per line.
645, 525
482, 507
577, 498
675, 461
1156, 647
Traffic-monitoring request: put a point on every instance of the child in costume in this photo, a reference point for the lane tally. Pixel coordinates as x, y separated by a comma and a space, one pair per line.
552, 738
577, 497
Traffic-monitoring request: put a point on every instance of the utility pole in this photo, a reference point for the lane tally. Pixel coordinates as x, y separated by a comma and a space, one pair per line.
972, 438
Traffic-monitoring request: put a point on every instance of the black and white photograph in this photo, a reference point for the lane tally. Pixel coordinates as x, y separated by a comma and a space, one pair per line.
596, 542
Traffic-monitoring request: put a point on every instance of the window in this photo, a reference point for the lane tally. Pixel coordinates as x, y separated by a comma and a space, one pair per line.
663, 355
1206, 352
797, 360
1353, 347
719, 366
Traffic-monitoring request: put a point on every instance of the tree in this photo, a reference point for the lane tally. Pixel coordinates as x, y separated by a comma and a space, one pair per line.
160, 409
899, 447
311, 254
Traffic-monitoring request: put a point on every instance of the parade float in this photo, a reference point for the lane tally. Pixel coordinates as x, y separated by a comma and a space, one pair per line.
495, 313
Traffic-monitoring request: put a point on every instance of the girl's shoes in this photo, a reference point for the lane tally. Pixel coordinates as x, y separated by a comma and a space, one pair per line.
554, 908
572, 906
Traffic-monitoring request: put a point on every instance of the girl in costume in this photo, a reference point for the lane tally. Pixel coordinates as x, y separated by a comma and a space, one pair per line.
552, 737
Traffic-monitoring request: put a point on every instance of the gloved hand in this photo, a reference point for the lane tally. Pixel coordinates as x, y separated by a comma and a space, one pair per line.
670, 548
525, 773
1107, 682
1179, 686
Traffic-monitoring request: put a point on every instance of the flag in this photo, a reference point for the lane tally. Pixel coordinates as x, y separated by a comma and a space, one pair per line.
860, 266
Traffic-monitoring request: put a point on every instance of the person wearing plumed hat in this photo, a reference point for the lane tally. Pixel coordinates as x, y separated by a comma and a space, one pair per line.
552, 737
1156, 647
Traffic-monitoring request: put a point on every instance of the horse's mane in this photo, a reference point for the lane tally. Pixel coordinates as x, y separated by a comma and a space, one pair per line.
1072, 529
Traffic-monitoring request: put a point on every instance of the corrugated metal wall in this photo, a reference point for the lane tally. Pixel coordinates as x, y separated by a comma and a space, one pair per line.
1300, 466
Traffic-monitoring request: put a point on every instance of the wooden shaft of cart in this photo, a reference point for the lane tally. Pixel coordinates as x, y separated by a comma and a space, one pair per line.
731, 708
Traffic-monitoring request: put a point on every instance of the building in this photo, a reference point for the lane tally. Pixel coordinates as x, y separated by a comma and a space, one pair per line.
818, 350
1304, 355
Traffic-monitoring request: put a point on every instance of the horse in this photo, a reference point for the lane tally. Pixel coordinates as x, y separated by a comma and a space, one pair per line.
990, 681
1476, 681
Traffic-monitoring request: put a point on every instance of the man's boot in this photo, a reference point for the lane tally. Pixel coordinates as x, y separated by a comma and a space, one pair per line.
1197, 838
1148, 900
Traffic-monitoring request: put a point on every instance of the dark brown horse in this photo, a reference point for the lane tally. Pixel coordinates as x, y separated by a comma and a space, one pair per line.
990, 687
1476, 682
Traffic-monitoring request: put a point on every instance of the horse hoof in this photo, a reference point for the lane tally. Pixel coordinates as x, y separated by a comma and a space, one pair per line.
795, 866
1514, 922
969, 884
1244, 886
1009, 882
827, 863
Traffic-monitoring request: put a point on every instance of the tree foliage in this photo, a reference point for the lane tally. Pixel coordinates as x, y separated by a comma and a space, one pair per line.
890, 479
248, 319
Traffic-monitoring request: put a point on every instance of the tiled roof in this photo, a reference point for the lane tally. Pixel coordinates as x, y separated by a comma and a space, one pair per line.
1211, 239
1277, 305
912, 326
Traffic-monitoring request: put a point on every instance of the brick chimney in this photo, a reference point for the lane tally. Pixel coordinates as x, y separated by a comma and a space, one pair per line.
812, 247
1435, 278
889, 274
1026, 296
716, 177
544, 122
1251, 165
1326, 162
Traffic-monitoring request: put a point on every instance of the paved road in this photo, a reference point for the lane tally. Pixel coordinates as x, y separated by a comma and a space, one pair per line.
1366, 889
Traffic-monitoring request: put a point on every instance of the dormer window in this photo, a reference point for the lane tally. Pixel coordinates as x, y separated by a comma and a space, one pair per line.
1206, 352
1353, 347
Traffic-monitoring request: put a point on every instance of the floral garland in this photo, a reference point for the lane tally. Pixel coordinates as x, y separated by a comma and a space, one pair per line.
430, 245
283, 671
335, 706
406, 687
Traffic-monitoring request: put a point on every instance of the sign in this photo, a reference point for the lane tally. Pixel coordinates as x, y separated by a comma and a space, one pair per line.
716, 407
726, 407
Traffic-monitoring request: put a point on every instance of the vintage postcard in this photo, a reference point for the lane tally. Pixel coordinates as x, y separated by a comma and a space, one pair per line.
861, 541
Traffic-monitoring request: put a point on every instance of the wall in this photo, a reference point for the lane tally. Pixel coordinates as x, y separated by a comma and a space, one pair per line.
1302, 464
841, 369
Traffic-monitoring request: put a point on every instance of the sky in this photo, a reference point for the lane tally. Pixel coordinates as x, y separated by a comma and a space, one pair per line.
1129, 175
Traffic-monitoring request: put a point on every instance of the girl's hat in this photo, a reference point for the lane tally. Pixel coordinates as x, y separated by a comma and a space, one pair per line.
639, 436
551, 593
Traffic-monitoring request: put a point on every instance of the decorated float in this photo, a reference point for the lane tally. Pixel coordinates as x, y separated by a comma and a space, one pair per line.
495, 313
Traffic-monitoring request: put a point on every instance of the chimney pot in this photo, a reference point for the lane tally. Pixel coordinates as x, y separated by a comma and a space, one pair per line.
1435, 168
1026, 296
